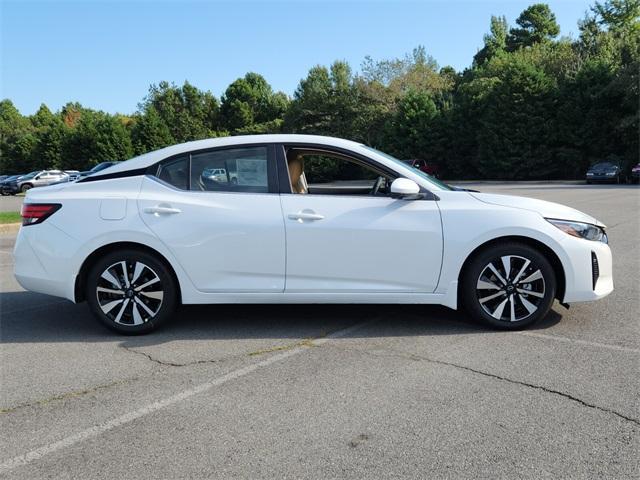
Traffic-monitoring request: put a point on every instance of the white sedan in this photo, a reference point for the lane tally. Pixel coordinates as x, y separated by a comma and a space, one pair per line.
300, 219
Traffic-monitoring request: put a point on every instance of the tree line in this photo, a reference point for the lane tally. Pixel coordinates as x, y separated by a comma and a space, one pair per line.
530, 106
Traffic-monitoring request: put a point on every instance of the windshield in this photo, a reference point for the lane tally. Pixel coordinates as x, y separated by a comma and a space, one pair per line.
603, 165
101, 166
403, 164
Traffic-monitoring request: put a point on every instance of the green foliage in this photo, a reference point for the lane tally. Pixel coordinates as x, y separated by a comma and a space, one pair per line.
619, 15
150, 132
250, 105
529, 106
495, 42
188, 113
537, 24
97, 137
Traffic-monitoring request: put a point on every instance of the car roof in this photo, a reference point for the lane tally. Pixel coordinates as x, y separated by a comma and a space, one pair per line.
150, 158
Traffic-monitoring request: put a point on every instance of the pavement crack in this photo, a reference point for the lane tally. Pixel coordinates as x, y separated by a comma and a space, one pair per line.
67, 395
412, 356
164, 362
307, 342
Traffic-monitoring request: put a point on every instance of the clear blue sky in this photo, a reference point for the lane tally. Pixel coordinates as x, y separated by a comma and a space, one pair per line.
105, 54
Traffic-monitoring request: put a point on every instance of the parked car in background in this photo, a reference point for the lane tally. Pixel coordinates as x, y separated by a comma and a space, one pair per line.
8, 185
34, 179
73, 175
424, 166
40, 179
4, 177
605, 172
635, 174
99, 167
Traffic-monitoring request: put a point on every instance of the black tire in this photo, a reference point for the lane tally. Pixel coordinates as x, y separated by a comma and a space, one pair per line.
25, 187
138, 311
498, 311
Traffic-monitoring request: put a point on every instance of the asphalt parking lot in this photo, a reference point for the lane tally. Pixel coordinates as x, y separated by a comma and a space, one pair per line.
304, 391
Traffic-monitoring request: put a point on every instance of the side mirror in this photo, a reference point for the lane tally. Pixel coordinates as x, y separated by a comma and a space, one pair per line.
405, 188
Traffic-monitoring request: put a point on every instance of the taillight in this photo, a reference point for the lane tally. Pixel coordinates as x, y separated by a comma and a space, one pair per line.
34, 213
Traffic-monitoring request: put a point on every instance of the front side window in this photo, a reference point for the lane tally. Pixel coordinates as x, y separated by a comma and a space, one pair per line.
325, 173
233, 170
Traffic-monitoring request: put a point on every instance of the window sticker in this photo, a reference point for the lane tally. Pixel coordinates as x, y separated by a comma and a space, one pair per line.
251, 172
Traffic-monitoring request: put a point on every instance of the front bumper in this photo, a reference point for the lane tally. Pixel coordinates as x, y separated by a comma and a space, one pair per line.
580, 285
601, 178
10, 189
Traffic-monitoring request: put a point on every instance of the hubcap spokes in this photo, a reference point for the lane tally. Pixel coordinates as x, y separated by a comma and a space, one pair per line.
129, 293
510, 288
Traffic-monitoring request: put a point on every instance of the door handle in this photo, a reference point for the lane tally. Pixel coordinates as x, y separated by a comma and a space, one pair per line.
159, 210
302, 216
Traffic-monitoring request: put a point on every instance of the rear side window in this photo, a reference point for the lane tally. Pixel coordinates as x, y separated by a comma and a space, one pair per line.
175, 172
231, 170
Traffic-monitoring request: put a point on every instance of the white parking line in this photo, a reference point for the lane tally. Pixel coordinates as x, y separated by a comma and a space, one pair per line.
581, 342
166, 402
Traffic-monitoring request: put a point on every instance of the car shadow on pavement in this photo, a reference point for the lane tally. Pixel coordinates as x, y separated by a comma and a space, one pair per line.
27, 318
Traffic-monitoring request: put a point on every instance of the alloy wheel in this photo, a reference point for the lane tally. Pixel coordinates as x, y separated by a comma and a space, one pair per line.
129, 293
510, 288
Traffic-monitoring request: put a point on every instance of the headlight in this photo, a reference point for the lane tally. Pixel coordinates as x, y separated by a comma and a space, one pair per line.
581, 230
611, 173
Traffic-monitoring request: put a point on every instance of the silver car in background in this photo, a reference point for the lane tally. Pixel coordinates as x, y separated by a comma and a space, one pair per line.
40, 179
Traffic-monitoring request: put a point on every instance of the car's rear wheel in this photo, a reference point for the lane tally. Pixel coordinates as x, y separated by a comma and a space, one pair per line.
131, 291
509, 286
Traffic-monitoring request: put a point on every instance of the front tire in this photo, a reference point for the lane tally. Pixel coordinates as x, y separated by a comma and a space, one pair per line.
509, 286
131, 292
24, 188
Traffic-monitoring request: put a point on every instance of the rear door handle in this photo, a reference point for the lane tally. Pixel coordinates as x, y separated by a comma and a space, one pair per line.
159, 210
305, 215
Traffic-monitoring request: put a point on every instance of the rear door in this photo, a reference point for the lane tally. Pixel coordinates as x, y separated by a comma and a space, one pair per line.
225, 230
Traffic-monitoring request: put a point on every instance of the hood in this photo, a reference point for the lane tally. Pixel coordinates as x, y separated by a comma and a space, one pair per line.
544, 208
603, 168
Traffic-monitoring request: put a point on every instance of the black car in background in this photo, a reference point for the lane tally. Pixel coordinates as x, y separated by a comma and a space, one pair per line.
8, 186
97, 168
605, 172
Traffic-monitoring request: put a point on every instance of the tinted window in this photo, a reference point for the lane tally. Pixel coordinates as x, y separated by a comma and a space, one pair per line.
234, 170
175, 172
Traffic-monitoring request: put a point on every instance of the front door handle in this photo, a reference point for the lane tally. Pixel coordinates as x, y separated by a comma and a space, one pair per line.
161, 210
305, 215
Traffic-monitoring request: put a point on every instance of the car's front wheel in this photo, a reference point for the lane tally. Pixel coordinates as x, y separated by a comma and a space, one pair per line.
25, 187
131, 291
509, 286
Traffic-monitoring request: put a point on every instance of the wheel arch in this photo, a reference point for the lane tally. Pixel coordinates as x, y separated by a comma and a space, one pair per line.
81, 278
556, 263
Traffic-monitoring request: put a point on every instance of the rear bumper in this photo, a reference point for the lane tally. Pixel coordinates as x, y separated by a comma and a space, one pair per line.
44, 257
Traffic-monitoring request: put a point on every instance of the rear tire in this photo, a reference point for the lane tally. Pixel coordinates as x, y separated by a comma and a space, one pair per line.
136, 303
509, 286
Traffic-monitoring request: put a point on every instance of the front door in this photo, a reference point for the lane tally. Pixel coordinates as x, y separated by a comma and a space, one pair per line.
346, 234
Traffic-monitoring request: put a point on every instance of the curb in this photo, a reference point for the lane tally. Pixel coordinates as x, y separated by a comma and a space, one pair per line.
9, 228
